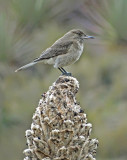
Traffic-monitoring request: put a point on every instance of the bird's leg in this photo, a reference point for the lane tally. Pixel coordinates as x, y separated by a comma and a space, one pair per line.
61, 70
65, 72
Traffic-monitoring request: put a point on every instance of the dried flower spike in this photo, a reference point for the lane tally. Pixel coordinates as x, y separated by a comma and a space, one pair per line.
59, 130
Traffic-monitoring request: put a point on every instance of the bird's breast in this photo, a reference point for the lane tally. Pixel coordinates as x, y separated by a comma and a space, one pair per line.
80, 46
77, 50
70, 57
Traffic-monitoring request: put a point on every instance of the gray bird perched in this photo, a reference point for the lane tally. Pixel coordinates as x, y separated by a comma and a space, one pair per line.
65, 51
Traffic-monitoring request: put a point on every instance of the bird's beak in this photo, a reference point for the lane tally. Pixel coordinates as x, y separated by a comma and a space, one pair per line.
88, 37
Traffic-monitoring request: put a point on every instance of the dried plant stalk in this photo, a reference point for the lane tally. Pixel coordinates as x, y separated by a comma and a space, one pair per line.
59, 130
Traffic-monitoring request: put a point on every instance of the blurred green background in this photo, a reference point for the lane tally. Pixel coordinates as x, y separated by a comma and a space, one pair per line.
27, 27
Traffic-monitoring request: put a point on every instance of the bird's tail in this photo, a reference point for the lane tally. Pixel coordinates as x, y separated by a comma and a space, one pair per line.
26, 66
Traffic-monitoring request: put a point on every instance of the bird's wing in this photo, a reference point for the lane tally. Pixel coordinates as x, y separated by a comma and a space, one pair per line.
56, 49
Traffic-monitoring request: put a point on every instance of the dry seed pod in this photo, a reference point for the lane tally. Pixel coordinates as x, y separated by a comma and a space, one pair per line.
59, 130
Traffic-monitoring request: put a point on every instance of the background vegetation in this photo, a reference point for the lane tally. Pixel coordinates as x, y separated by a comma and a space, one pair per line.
27, 27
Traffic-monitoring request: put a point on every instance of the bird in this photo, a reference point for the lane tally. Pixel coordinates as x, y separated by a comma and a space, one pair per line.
65, 51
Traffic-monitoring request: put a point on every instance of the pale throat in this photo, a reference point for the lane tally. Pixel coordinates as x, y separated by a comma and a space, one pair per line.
80, 46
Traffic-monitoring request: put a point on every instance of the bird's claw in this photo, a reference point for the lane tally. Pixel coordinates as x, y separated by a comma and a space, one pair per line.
64, 72
67, 74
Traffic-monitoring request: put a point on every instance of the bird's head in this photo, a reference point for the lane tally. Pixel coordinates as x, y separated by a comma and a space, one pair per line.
78, 34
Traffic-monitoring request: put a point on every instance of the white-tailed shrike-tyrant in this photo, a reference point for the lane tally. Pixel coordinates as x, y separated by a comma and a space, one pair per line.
65, 51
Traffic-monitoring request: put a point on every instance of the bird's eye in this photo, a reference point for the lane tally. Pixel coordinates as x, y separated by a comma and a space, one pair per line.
78, 33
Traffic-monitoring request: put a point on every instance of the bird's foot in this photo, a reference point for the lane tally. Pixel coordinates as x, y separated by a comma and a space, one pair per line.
64, 72
67, 74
